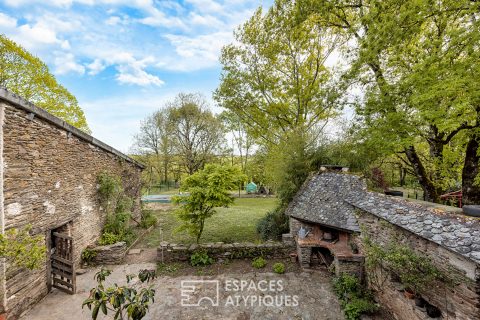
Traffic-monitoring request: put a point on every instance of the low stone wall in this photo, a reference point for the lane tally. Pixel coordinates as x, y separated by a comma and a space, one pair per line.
111, 254
168, 252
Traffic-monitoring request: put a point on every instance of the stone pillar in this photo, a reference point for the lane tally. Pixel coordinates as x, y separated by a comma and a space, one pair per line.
304, 256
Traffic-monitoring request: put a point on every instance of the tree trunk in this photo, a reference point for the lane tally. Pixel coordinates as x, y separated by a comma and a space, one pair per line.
403, 174
470, 191
431, 193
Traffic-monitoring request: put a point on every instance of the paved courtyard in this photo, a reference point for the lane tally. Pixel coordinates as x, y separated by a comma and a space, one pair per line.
252, 295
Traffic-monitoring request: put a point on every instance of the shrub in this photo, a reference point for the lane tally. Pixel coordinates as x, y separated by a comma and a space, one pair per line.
259, 263
358, 306
88, 255
354, 298
279, 268
109, 238
273, 225
200, 258
148, 219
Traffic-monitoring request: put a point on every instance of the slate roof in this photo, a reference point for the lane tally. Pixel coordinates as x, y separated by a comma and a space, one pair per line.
321, 200
331, 199
460, 234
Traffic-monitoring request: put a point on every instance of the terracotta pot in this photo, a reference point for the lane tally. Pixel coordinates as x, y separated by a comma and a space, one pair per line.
408, 294
293, 258
3, 316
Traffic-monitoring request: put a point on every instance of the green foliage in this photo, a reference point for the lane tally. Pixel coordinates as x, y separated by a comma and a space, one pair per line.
259, 263
29, 77
118, 206
200, 258
273, 225
22, 249
274, 77
416, 65
88, 255
108, 238
148, 219
127, 302
207, 189
415, 271
109, 187
354, 299
279, 268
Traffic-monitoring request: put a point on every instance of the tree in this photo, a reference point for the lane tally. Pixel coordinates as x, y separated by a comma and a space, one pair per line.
126, 301
26, 75
198, 133
417, 62
274, 77
276, 81
207, 189
156, 136
243, 140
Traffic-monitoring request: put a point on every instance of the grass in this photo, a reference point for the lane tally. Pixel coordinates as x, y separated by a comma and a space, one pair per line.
234, 224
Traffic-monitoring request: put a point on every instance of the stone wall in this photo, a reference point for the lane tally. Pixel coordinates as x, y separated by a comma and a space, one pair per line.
456, 302
168, 252
49, 181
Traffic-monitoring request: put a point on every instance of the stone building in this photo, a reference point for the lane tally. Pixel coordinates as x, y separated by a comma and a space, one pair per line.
329, 223
341, 202
48, 172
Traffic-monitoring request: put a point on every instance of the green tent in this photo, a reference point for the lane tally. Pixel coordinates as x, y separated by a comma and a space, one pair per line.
251, 187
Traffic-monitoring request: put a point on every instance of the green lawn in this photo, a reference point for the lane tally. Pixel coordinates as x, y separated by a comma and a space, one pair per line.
234, 224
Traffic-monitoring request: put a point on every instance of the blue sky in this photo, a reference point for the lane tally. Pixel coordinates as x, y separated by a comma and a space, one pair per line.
123, 59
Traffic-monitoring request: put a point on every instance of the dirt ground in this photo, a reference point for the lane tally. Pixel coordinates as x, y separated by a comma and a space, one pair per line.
232, 290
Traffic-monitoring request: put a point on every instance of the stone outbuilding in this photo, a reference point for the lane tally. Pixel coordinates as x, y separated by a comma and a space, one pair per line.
324, 225
339, 205
48, 180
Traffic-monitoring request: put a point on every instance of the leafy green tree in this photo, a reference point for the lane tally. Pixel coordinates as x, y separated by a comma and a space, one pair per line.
276, 81
26, 75
207, 189
274, 77
21, 249
197, 132
417, 63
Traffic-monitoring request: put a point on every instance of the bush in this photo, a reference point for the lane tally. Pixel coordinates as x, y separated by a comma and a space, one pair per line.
358, 306
108, 186
200, 258
148, 219
273, 225
354, 298
259, 263
109, 238
279, 268
88, 255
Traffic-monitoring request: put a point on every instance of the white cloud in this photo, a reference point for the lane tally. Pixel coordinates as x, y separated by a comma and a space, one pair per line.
207, 5
7, 21
134, 73
96, 67
198, 51
65, 63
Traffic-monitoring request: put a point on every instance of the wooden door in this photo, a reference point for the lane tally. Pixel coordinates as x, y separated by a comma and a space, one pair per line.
62, 266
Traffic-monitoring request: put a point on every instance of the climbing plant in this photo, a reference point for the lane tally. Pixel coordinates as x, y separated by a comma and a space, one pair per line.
22, 249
